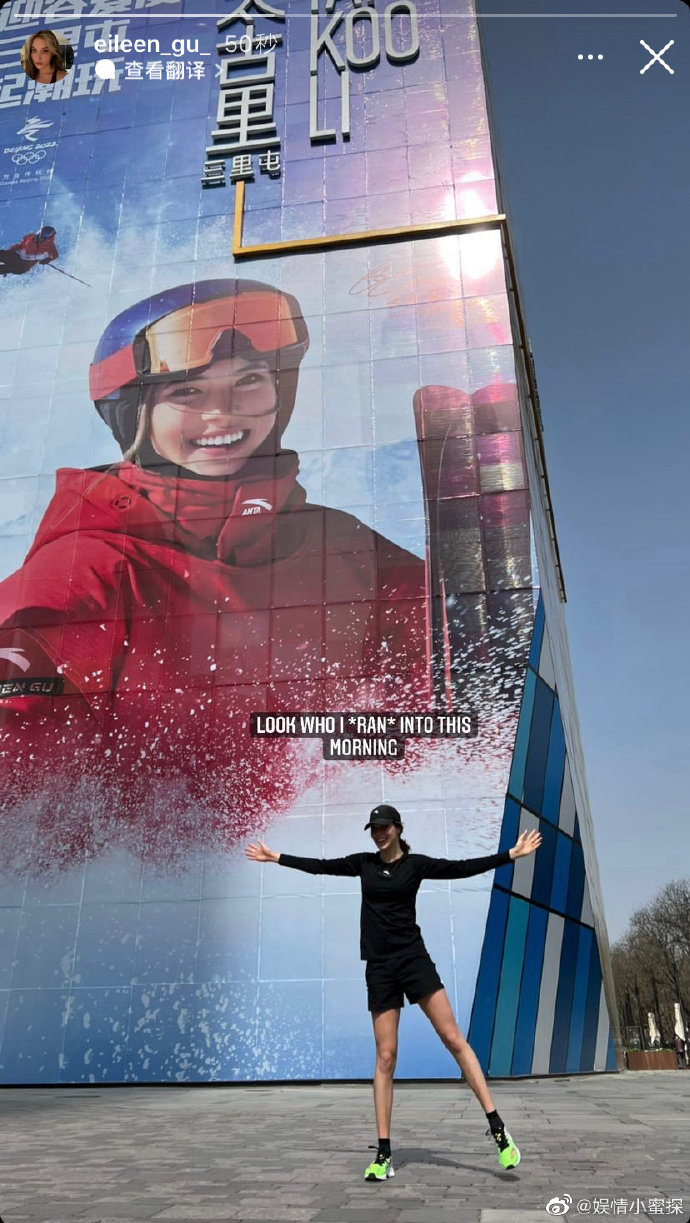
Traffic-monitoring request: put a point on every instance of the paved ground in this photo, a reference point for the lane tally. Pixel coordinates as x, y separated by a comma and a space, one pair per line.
296, 1154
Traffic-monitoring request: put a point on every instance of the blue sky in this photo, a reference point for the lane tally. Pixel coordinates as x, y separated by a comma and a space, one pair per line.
594, 158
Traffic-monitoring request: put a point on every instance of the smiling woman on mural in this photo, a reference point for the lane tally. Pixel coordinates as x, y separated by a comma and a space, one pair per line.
42, 58
179, 590
190, 423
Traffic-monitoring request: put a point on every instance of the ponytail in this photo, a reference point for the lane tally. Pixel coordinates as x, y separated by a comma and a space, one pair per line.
404, 846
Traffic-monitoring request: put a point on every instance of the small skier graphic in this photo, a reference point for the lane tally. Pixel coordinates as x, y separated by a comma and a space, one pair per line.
34, 248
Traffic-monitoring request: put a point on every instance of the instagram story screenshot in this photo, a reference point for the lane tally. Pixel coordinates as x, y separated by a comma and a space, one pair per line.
343, 587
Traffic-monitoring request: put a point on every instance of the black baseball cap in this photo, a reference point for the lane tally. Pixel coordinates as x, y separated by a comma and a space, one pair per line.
383, 814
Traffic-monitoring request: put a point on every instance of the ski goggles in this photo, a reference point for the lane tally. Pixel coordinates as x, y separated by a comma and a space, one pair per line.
185, 339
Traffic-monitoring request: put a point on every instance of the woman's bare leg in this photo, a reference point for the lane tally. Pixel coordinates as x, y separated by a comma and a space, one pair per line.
438, 1010
386, 1036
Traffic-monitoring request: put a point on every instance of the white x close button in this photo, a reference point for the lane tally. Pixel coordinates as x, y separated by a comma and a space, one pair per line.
656, 56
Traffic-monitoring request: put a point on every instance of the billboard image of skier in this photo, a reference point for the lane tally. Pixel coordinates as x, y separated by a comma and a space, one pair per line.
173, 593
290, 480
170, 594
22, 256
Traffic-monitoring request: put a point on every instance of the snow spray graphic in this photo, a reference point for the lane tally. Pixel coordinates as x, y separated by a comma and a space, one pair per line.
291, 483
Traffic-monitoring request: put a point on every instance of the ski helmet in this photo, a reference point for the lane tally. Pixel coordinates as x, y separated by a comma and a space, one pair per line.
165, 337
47, 232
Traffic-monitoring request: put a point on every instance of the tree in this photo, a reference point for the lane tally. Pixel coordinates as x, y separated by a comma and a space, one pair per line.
651, 964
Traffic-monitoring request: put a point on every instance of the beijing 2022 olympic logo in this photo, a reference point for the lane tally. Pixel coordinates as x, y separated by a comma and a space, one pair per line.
29, 158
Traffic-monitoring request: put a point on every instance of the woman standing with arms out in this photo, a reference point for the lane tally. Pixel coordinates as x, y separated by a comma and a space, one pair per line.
398, 964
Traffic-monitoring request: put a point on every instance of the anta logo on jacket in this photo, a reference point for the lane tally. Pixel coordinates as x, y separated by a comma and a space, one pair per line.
256, 505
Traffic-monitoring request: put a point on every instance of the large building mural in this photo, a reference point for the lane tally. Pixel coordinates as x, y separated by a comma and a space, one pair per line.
270, 452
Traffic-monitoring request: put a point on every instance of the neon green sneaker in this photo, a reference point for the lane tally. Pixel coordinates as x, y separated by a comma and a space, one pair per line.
508, 1153
381, 1169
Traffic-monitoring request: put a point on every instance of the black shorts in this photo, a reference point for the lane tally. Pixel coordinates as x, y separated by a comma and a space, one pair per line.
407, 974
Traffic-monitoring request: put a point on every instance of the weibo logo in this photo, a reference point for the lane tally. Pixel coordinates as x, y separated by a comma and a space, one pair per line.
256, 505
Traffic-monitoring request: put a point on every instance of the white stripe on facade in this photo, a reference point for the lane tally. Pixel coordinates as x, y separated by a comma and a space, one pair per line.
566, 815
586, 914
602, 1033
546, 670
523, 870
547, 994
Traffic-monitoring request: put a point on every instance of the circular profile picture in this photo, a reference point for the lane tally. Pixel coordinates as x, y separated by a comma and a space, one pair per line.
46, 57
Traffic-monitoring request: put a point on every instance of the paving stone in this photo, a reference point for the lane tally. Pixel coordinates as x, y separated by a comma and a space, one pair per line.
512, 1216
194, 1215
439, 1216
124, 1155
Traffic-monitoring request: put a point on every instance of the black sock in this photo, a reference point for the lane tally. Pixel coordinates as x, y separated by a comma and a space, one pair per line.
385, 1147
495, 1122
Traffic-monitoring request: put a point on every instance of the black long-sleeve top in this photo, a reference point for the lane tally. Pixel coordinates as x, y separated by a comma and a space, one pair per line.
388, 921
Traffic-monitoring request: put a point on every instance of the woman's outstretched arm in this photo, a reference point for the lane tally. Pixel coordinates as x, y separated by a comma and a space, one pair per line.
351, 865
463, 868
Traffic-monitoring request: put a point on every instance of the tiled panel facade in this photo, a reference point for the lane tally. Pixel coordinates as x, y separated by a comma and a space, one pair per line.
136, 943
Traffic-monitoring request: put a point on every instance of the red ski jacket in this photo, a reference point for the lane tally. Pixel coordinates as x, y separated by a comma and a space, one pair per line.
34, 250
171, 609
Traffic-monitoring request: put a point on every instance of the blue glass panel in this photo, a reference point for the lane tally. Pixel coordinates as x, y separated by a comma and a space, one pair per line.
537, 635
577, 882
346, 1028
591, 1020
509, 991
509, 835
535, 765
564, 998
561, 873
4, 1003
96, 1036
577, 1018
553, 780
417, 1057
483, 1011
291, 1012
611, 1055
158, 1011
9, 927
510, 825
166, 942
105, 944
529, 991
34, 1036
228, 940
517, 771
222, 1042
45, 946
504, 876
544, 865
576, 832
